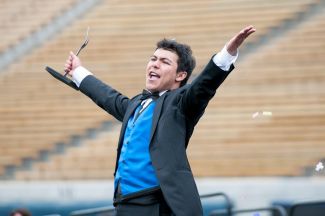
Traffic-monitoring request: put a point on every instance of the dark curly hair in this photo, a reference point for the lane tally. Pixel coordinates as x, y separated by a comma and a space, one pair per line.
186, 61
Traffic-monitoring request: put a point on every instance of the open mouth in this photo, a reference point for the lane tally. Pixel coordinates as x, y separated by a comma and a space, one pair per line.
153, 76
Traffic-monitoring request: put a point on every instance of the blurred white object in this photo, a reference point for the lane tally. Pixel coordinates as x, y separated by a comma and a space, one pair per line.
319, 166
267, 113
264, 113
255, 114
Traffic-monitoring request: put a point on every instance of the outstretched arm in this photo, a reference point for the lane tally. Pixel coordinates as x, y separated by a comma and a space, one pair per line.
203, 88
103, 95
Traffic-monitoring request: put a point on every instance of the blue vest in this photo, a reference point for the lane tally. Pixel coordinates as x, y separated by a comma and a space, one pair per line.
135, 171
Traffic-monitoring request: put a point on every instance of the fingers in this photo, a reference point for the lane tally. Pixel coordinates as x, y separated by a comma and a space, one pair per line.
72, 55
248, 28
238, 39
243, 34
248, 31
68, 66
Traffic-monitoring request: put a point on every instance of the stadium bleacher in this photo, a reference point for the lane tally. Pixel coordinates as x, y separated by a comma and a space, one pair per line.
20, 19
38, 112
283, 78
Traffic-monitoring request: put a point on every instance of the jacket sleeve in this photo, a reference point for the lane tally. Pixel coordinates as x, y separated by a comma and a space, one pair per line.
105, 96
198, 94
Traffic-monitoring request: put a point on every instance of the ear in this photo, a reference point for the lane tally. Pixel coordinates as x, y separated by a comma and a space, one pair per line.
180, 76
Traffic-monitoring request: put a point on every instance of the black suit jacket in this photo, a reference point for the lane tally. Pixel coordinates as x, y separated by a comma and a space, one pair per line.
175, 115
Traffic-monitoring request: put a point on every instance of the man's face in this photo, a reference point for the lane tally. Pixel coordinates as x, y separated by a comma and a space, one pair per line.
161, 71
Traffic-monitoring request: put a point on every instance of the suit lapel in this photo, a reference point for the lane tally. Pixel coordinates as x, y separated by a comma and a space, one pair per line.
156, 114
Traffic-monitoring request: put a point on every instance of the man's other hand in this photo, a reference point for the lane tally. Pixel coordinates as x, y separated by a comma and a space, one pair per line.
238, 39
71, 63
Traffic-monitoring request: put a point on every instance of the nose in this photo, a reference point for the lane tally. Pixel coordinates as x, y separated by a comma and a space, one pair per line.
156, 64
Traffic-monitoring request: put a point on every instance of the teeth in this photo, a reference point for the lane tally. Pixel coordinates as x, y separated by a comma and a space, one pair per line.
153, 74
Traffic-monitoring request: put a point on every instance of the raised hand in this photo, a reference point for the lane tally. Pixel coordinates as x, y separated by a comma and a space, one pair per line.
238, 39
71, 63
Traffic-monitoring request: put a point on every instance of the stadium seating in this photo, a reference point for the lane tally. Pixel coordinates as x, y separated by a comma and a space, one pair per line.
37, 112
19, 19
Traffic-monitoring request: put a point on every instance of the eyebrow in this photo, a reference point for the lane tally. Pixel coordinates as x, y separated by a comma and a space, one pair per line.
162, 58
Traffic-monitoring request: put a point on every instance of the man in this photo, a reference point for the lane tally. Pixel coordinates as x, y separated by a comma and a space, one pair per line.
152, 174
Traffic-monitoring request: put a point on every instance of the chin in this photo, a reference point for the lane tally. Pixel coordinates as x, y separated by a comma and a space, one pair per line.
151, 88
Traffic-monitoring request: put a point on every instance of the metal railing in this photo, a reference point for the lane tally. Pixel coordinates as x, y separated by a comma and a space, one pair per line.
279, 210
227, 211
109, 211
